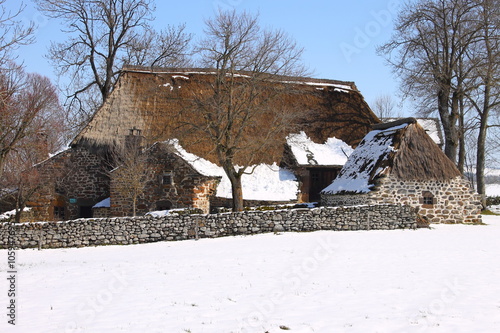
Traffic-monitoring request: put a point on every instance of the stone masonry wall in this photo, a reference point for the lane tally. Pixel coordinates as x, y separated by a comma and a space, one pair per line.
74, 178
128, 230
452, 201
187, 189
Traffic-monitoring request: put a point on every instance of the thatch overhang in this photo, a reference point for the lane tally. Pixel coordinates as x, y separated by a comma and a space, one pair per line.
400, 149
431, 125
158, 101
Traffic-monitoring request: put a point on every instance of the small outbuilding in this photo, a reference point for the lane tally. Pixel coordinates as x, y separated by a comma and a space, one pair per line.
315, 164
398, 163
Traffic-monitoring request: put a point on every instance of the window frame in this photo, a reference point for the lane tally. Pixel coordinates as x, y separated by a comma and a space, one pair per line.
164, 176
59, 212
428, 200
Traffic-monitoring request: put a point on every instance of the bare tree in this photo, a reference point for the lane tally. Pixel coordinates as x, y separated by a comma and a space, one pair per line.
102, 35
450, 50
384, 107
31, 121
485, 93
28, 108
166, 48
12, 33
246, 59
130, 177
431, 39
22, 178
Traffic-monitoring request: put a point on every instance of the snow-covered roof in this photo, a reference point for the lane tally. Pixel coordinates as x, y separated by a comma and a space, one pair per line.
307, 152
266, 182
201, 165
339, 86
402, 149
263, 182
54, 155
356, 174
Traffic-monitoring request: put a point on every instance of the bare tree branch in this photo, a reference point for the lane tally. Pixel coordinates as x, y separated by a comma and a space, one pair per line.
246, 59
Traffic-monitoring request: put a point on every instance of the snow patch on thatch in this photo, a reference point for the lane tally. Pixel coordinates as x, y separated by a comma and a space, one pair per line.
307, 152
261, 182
401, 149
365, 162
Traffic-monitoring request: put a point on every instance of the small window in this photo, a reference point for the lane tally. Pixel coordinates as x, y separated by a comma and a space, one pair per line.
59, 212
315, 176
428, 201
167, 179
428, 198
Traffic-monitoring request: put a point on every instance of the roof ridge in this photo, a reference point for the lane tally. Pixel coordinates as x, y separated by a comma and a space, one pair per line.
384, 126
199, 70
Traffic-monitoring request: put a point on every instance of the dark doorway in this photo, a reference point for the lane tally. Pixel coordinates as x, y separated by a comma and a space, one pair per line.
319, 179
85, 212
163, 205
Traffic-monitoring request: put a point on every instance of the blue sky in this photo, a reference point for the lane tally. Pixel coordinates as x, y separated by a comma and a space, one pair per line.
339, 37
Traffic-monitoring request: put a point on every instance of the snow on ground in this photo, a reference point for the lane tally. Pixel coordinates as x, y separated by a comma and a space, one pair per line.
441, 280
492, 190
495, 209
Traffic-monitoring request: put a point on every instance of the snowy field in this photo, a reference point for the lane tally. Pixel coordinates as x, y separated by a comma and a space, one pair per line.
493, 190
442, 280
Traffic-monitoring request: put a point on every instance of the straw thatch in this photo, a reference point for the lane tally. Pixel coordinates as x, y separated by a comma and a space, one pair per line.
419, 158
401, 149
159, 101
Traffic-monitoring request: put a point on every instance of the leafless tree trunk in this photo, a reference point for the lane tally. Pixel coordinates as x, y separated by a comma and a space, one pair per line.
244, 58
463, 130
486, 95
23, 178
431, 38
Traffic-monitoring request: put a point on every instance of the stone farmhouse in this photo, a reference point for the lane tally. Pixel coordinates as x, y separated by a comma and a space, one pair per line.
148, 105
398, 163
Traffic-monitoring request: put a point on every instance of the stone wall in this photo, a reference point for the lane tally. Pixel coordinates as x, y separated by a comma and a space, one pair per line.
128, 230
218, 202
186, 189
449, 201
74, 179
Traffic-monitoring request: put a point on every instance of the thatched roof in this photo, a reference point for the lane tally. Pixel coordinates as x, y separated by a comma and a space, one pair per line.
401, 149
158, 101
431, 125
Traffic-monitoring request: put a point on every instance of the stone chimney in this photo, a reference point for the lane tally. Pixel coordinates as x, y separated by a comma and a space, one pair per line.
134, 140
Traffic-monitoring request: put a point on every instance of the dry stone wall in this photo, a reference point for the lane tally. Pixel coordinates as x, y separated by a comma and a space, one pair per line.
128, 230
450, 201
